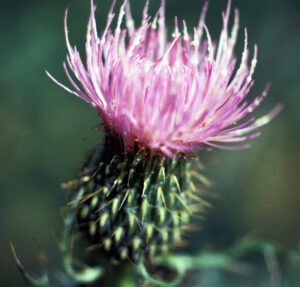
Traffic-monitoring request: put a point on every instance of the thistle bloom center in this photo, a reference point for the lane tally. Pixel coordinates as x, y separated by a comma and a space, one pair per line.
172, 96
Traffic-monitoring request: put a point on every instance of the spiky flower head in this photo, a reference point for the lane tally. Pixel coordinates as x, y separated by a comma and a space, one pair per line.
158, 100
172, 96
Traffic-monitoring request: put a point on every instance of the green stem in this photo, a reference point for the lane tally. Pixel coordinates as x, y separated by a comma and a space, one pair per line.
89, 274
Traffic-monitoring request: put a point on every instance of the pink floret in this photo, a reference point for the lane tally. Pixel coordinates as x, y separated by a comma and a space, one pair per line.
171, 97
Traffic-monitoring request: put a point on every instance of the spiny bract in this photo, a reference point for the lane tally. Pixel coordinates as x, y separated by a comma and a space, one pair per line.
136, 204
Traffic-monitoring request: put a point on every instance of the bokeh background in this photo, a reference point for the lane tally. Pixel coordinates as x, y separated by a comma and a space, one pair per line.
46, 132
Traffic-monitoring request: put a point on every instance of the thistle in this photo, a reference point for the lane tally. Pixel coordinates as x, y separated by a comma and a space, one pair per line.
159, 102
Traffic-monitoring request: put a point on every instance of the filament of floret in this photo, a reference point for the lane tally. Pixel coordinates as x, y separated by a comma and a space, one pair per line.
170, 97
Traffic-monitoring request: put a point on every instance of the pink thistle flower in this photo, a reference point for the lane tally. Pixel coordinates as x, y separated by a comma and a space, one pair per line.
172, 96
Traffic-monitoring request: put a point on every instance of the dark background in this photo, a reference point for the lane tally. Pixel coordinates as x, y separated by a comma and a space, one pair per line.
46, 132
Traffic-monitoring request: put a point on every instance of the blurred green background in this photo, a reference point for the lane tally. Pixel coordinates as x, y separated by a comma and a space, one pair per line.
46, 132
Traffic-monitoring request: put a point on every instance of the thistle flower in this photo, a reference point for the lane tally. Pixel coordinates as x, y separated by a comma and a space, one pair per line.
158, 101
170, 97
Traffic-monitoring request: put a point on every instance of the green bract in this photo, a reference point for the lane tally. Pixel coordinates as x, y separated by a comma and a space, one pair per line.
135, 204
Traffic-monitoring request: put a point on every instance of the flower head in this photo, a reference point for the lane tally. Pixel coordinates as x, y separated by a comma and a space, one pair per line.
172, 96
